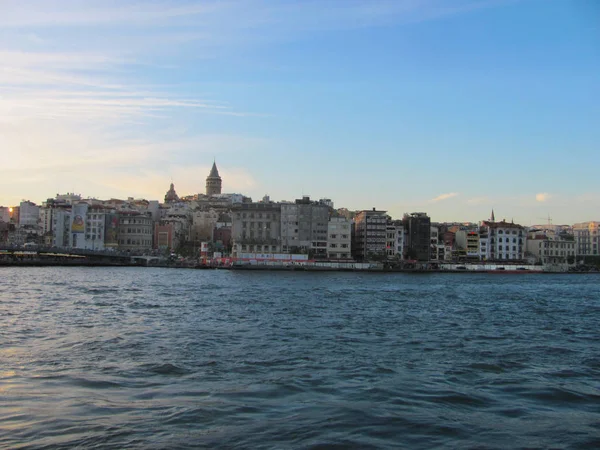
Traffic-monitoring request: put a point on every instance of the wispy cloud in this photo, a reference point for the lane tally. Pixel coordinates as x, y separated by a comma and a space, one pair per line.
478, 200
83, 86
241, 13
443, 197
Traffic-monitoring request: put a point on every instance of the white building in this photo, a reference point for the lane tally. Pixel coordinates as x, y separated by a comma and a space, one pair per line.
548, 248
586, 238
339, 238
394, 240
506, 241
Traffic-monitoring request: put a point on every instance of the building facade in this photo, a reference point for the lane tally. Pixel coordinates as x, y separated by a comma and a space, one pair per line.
304, 227
135, 232
29, 214
549, 249
419, 236
255, 228
505, 241
339, 238
370, 226
586, 238
394, 240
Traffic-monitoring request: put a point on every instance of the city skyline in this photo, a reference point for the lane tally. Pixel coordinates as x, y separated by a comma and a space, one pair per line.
404, 106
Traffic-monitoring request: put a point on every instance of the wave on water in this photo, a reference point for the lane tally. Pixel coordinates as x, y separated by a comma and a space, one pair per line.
160, 358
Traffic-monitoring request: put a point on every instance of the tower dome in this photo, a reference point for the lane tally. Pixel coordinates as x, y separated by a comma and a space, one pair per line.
213, 181
171, 195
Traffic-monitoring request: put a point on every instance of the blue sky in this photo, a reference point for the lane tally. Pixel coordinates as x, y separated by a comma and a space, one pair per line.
452, 107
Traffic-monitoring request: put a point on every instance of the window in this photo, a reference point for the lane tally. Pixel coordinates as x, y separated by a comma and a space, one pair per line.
333, 236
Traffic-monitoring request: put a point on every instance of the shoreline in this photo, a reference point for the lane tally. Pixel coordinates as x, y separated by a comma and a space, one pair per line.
259, 268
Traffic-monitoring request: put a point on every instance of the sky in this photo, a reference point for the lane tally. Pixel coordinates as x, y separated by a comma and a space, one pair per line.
452, 107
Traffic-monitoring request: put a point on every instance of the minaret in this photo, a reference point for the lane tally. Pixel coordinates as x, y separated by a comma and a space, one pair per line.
492, 218
213, 181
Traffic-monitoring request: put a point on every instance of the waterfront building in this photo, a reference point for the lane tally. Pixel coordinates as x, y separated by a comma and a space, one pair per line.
304, 226
86, 229
135, 231
370, 235
163, 236
213, 181
29, 214
255, 227
586, 238
435, 251
394, 240
61, 226
222, 239
339, 238
95, 226
469, 245
505, 241
549, 248
419, 236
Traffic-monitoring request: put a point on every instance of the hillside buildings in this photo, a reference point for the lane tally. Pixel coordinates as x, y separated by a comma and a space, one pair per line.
232, 225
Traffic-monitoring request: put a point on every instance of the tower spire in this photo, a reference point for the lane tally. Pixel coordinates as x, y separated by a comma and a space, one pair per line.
492, 218
213, 181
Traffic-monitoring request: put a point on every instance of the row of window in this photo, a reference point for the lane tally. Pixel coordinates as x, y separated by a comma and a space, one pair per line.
508, 232
258, 225
340, 246
251, 215
559, 245
137, 230
508, 240
138, 242
258, 248
134, 221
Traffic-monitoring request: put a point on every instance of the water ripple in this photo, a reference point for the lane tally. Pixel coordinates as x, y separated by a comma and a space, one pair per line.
159, 358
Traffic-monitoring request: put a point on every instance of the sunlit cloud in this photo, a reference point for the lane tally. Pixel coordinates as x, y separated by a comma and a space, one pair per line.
542, 197
443, 197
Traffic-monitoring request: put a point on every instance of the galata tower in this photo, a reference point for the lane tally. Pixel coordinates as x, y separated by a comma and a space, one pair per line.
213, 181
